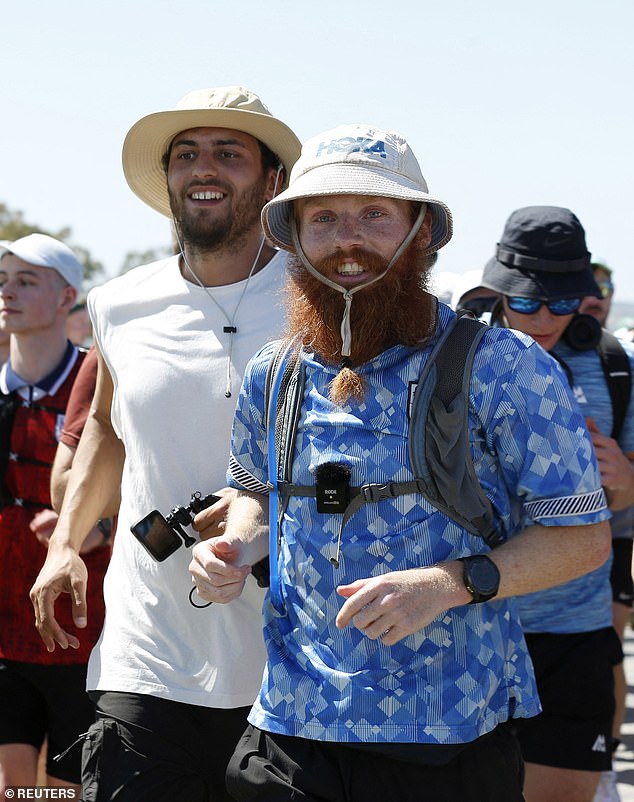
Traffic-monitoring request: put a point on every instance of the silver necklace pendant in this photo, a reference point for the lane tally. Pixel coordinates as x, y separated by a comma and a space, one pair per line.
230, 328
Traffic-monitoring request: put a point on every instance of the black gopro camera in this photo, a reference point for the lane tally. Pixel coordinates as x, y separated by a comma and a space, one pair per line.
161, 536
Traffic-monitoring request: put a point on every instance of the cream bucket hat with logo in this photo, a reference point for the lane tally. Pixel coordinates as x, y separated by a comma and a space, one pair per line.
355, 159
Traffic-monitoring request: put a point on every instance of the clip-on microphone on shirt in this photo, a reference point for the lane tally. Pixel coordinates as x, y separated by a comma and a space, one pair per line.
333, 487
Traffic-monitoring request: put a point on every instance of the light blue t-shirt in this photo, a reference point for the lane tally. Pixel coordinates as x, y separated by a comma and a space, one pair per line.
584, 604
469, 670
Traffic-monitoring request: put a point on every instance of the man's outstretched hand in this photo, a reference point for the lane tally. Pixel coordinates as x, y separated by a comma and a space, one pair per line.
63, 572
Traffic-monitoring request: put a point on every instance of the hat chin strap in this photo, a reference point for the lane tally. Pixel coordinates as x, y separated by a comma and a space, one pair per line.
348, 294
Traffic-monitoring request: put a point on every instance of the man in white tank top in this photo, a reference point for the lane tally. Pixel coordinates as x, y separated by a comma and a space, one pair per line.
173, 678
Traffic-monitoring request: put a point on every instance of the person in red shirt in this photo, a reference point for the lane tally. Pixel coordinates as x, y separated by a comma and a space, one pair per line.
77, 411
42, 695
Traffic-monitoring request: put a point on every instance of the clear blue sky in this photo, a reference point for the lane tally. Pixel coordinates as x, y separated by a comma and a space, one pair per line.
505, 103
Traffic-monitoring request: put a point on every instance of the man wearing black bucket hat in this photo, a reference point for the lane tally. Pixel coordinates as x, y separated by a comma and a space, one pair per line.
172, 677
542, 271
395, 654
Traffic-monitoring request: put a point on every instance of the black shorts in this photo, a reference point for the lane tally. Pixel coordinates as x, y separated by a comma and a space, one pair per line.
146, 749
40, 701
621, 576
277, 768
575, 681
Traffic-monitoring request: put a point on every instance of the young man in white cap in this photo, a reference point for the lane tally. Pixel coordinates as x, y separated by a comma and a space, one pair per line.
42, 695
172, 677
395, 655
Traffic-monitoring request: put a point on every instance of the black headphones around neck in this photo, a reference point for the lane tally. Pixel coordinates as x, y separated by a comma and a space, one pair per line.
583, 333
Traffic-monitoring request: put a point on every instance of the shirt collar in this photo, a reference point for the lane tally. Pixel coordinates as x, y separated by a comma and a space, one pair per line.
10, 381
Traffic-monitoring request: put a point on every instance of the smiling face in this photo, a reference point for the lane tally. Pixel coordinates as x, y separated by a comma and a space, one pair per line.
544, 327
217, 186
32, 299
349, 238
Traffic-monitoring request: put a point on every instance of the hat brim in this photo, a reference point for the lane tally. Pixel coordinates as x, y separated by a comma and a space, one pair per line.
148, 140
351, 179
539, 284
67, 266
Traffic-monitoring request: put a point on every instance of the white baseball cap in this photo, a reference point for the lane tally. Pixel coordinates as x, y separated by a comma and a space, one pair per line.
44, 251
356, 159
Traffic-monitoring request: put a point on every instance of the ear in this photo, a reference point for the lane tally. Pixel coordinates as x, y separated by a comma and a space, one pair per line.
424, 232
274, 183
68, 298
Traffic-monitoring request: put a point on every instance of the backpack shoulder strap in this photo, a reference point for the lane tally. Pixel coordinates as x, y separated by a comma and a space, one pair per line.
618, 375
439, 432
9, 403
271, 373
283, 393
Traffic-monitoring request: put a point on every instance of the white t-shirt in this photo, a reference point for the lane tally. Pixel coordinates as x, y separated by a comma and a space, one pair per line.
163, 341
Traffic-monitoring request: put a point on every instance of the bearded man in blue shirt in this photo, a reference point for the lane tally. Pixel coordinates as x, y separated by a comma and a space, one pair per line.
395, 652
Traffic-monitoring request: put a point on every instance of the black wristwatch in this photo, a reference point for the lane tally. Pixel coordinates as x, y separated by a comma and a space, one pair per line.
481, 577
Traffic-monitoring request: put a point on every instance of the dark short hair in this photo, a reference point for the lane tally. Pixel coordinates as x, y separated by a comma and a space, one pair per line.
269, 160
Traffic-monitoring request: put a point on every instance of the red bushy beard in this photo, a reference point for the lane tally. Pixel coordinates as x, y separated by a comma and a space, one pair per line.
397, 309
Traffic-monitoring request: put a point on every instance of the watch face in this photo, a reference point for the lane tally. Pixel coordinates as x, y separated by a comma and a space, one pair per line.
482, 577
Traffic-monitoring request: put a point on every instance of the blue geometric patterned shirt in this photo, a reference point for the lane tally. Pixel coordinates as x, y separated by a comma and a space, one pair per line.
469, 670
584, 604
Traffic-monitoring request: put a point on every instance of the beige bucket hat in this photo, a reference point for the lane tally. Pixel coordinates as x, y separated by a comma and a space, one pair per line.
224, 107
356, 159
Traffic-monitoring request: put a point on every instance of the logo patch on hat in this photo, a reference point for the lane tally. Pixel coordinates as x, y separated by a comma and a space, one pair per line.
351, 144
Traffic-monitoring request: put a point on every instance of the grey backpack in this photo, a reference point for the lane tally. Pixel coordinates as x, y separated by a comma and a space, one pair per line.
438, 434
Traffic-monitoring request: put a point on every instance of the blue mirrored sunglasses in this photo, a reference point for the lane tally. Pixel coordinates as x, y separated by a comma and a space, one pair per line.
529, 306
